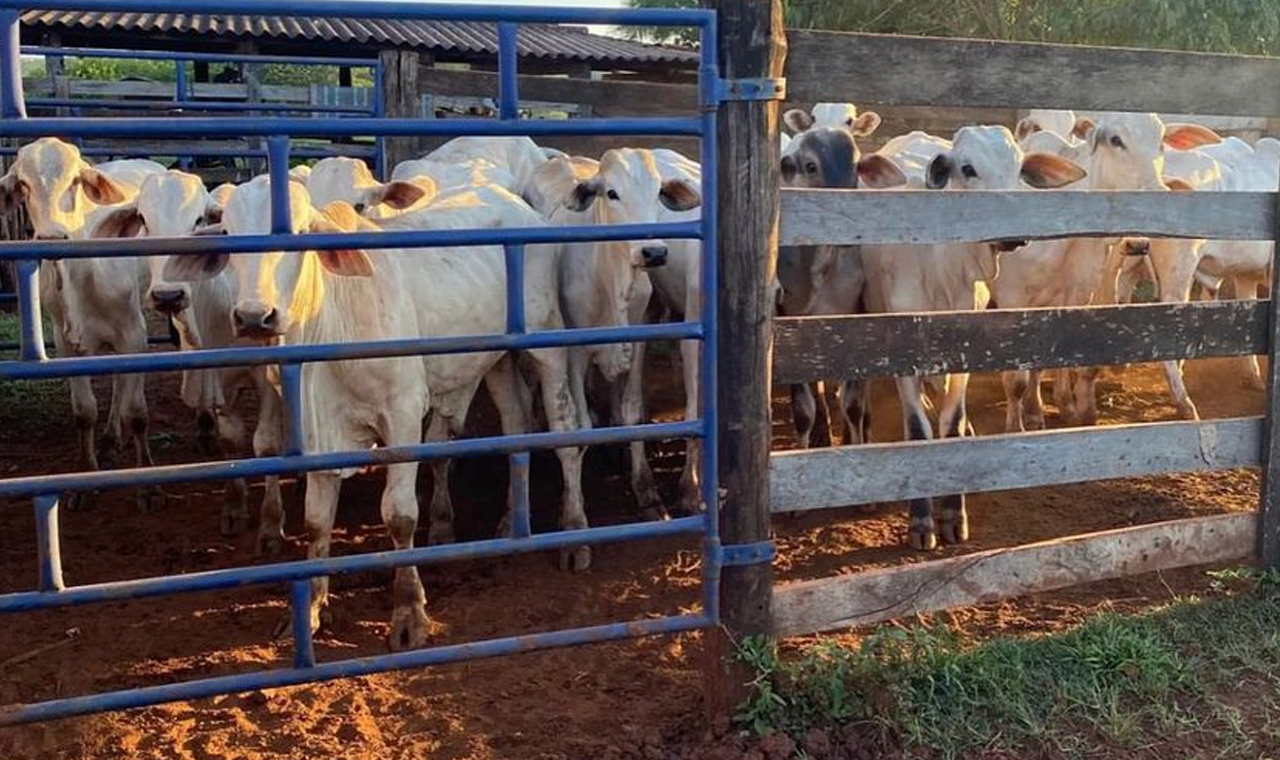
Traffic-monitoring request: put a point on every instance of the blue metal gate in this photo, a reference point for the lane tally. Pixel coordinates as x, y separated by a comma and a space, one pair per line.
33, 364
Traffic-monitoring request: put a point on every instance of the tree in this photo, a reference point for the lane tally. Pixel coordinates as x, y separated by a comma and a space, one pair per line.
1221, 26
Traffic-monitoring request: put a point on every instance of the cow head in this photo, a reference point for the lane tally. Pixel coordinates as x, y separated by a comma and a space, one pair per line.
828, 157
1126, 150
988, 158
838, 115
59, 189
349, 180
277, 290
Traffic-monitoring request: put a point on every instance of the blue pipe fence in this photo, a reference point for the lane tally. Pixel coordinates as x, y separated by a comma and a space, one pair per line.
43, 491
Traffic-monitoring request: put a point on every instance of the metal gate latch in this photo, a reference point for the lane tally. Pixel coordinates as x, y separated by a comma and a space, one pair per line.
736, 555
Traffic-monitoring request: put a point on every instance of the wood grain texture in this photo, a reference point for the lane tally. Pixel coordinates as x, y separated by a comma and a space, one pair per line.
850, 217
820, 348
879, 472
944, 72
879, 595
1269, 492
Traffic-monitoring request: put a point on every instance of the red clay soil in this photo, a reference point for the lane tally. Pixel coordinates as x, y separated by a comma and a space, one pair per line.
624, 700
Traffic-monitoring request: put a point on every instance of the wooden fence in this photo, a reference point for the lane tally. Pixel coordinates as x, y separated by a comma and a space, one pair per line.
938, 73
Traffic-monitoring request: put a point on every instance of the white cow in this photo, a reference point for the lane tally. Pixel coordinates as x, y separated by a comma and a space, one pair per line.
518, 155
329, 297
176, 204
951, 277
827, 279
602, 284
462, 291
1065, 124
95, 304
349, 180
448, 175
834, 115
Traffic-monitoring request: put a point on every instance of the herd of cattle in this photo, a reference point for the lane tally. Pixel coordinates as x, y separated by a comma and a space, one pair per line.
322, 297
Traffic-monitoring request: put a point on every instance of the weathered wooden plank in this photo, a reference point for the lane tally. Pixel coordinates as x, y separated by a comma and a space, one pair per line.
93, 88
1269, 493
869, 69
850, 217
607, 99
752, 45
878, 595
821, 348
879, 472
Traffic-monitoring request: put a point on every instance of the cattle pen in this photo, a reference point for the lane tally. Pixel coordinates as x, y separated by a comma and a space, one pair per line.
749, 66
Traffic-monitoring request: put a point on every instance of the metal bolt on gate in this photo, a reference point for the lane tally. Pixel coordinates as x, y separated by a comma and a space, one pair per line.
43, 491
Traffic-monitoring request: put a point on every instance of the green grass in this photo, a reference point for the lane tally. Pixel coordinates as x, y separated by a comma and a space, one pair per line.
1178, 673
27, 404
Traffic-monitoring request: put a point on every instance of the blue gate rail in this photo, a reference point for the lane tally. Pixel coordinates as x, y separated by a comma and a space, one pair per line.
44, 490
183, 100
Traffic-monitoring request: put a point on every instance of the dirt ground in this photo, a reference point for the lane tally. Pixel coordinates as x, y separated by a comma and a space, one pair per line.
611, 700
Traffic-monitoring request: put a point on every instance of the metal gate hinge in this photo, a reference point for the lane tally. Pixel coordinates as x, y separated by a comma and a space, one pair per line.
750, 89
736, 555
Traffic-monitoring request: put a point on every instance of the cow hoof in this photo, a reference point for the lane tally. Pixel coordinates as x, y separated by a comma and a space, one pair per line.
408, 628
270, 544
1034, 423
575, 560
1089, 418
233, 524
320, 620
150, 500
442, 532
956, 532
80, 501
654, 513
922, 539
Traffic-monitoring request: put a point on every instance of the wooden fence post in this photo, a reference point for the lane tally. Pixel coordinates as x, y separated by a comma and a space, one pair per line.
400, 91
751, 45
1269, 508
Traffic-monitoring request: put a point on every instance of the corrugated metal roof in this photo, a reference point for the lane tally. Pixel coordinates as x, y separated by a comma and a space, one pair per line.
535, 41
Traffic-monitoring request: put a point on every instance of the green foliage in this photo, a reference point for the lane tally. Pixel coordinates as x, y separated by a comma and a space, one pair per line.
1206, 25
28, 405
115, 69
1116, 681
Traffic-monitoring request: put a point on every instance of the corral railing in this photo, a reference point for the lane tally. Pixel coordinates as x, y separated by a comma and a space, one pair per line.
939, 72
43, 491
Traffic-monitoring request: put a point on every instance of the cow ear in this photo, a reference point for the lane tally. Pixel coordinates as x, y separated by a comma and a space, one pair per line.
1045, 170
194, 267
866, 124
1026, 127
1188, 136
399, 194
121, 223
679, 195
797, 121
879, 172
583, 195
939, 172
1178, 185
1083, 128
100, 188
212, 212
344, 262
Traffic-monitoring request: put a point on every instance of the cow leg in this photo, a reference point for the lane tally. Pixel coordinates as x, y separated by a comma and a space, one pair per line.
561, 416
440, 511
631, 412
84, 410
855, 410
690, 498
1033, 403
321, 506
953, 422
1015, 393
579, 366
920, 534
133, 412
1175, 268
504, 384
400, 515
228, 437
1250, 371
804, 412
1086, 393
1064, 397
266, 442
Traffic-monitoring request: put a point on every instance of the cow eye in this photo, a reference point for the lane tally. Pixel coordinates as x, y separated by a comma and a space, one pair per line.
1117, 142
359, 207
612, 195
968, 171
811, 167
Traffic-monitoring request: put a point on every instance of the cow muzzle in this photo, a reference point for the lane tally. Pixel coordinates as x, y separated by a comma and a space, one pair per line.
1135, 246
653, 256
256, 320
170, 301
1008, 246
